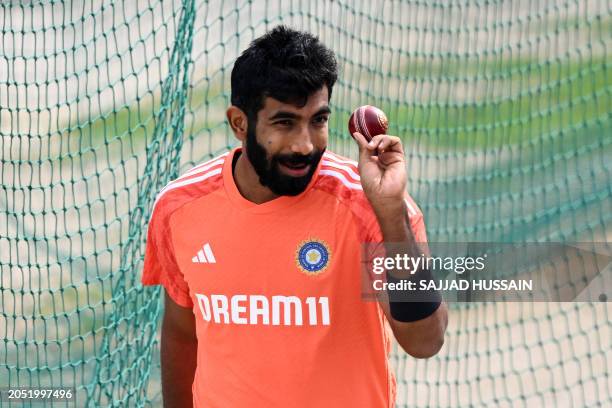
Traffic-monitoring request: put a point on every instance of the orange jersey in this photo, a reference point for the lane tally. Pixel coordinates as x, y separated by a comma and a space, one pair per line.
275, 288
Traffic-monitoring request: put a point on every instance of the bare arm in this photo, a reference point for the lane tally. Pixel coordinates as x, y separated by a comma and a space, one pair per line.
178, 354
421, 338
383, 177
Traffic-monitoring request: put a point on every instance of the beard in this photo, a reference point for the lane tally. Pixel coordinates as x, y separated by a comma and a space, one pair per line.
269, 171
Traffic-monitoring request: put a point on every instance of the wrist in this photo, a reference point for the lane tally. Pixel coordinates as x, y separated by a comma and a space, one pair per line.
393, 221
388, 212
410, 306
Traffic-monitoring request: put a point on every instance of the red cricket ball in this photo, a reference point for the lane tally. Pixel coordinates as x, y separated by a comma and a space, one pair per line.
369, 121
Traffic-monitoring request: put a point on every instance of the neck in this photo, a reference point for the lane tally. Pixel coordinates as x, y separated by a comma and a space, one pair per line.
247, 182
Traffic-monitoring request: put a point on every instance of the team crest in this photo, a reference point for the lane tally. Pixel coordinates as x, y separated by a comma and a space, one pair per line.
312, 256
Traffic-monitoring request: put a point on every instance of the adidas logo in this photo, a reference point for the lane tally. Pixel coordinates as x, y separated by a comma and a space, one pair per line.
205, 255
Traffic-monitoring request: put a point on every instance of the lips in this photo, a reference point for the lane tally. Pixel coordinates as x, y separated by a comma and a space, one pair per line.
294, 169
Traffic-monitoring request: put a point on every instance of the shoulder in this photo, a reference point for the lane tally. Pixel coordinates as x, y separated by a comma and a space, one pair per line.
195, 183
339, 177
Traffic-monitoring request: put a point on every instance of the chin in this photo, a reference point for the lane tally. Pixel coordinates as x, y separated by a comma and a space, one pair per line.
290, 186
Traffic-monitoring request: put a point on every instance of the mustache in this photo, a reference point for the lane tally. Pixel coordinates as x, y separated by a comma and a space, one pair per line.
297, 159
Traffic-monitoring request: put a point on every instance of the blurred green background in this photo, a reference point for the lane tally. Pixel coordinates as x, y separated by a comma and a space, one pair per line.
503, 107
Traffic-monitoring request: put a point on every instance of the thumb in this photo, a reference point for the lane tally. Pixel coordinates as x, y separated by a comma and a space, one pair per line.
361, 142
365, 153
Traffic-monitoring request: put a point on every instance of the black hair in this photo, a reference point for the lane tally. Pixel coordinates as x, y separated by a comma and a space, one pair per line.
284, 64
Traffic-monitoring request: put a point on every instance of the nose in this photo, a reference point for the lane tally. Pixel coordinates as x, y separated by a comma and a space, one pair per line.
302, 142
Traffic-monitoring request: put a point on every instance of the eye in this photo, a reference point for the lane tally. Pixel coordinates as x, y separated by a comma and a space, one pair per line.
284, 122
321, 119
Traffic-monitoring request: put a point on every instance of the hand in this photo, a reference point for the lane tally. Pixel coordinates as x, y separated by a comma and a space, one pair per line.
382, 168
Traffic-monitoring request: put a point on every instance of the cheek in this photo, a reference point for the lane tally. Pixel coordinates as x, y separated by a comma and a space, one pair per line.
269, 139
320, 137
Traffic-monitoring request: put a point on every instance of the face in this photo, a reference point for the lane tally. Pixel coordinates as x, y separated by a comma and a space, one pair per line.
288, 142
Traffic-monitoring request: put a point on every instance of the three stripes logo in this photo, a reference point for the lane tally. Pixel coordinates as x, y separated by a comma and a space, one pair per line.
205, 255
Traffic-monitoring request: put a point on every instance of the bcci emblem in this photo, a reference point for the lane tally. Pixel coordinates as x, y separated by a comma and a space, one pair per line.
312, 256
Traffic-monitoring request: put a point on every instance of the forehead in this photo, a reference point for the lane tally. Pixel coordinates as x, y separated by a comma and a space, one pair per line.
315, 101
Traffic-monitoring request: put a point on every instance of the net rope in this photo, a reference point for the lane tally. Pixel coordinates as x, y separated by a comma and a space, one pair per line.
503, 108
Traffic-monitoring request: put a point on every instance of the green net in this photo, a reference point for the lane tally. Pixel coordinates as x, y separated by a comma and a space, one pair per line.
503, 107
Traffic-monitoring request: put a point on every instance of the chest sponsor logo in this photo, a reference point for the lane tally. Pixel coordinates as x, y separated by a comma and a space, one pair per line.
312, 256
263, 310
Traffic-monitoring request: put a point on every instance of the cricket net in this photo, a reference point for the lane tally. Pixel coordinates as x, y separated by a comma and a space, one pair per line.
503, 107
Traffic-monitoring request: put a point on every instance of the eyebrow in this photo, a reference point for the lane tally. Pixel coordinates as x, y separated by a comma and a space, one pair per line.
291, 115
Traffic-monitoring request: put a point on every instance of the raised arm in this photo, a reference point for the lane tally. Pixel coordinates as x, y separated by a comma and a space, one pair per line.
418, 326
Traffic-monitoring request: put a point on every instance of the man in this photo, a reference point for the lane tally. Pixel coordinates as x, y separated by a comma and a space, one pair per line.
259, 251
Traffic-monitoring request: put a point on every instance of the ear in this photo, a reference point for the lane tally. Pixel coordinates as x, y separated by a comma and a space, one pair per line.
238, 121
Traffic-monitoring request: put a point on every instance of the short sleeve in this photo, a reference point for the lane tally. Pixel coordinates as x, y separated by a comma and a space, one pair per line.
160, 267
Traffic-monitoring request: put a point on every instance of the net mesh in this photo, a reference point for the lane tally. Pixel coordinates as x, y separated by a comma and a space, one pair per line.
503, 107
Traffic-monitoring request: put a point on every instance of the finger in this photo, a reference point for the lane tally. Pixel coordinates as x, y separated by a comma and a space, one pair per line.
362, 143
390, 144
365, 155
375, 142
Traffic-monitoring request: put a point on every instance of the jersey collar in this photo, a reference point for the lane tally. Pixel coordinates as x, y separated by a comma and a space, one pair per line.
276, 204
